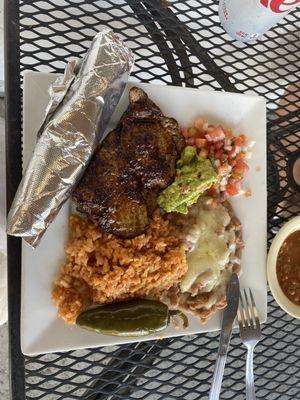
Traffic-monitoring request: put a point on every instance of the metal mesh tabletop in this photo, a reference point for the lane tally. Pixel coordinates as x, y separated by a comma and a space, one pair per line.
179, 43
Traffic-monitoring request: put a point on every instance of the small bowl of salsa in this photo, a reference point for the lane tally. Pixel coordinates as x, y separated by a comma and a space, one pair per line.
283, 267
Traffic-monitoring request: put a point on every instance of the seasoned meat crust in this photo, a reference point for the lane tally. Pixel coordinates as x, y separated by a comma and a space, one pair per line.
138, 159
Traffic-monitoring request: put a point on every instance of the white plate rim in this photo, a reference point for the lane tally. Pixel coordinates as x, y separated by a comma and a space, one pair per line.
28, 349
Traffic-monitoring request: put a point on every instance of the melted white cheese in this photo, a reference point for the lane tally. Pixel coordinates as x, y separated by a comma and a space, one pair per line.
211, 249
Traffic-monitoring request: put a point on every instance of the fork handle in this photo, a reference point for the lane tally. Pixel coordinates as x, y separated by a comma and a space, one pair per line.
250, 391
214, 393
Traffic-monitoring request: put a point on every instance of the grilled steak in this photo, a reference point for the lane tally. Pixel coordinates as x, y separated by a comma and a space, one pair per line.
120, 186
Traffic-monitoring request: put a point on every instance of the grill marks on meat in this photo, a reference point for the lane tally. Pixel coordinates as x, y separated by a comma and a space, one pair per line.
138, 159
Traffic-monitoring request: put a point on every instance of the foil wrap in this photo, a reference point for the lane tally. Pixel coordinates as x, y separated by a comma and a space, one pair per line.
82, 102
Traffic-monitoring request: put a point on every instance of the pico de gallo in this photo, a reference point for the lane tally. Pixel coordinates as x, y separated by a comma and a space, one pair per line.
228, 154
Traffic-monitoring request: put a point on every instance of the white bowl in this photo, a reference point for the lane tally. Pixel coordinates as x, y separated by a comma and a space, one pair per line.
289, 307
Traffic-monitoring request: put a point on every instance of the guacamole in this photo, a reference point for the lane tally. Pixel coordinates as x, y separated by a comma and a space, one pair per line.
194, 175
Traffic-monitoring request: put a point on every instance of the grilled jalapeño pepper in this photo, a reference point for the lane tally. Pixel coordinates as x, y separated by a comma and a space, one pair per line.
129, 318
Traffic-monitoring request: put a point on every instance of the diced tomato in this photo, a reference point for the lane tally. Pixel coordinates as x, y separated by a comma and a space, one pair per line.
203, 153
240, 155
241, 166
215, 135
237, 176
198, 124
240, 140
232, 189
232, 162
185, 132
200, 142
223, 157
228, 133
207, 145
219, 154
224, 169
190, 141
219, 145
213, 191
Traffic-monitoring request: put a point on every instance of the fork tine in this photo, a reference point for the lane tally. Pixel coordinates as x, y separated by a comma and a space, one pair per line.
240, 318
254, 308
249, 310
243, 311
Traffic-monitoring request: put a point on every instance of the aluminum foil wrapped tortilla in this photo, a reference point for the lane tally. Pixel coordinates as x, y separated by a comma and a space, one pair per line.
82, 102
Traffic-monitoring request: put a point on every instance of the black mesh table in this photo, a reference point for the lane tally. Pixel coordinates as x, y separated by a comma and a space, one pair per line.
178, 43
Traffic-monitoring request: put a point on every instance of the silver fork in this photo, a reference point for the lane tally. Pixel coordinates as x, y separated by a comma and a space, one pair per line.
250, 334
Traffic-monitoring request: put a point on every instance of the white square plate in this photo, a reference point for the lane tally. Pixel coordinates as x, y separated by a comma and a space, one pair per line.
41, 330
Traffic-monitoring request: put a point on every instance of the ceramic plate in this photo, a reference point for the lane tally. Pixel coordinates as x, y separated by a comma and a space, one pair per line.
41, 330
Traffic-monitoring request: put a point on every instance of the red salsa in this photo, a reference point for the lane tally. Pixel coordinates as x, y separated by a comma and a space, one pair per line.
288, 267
